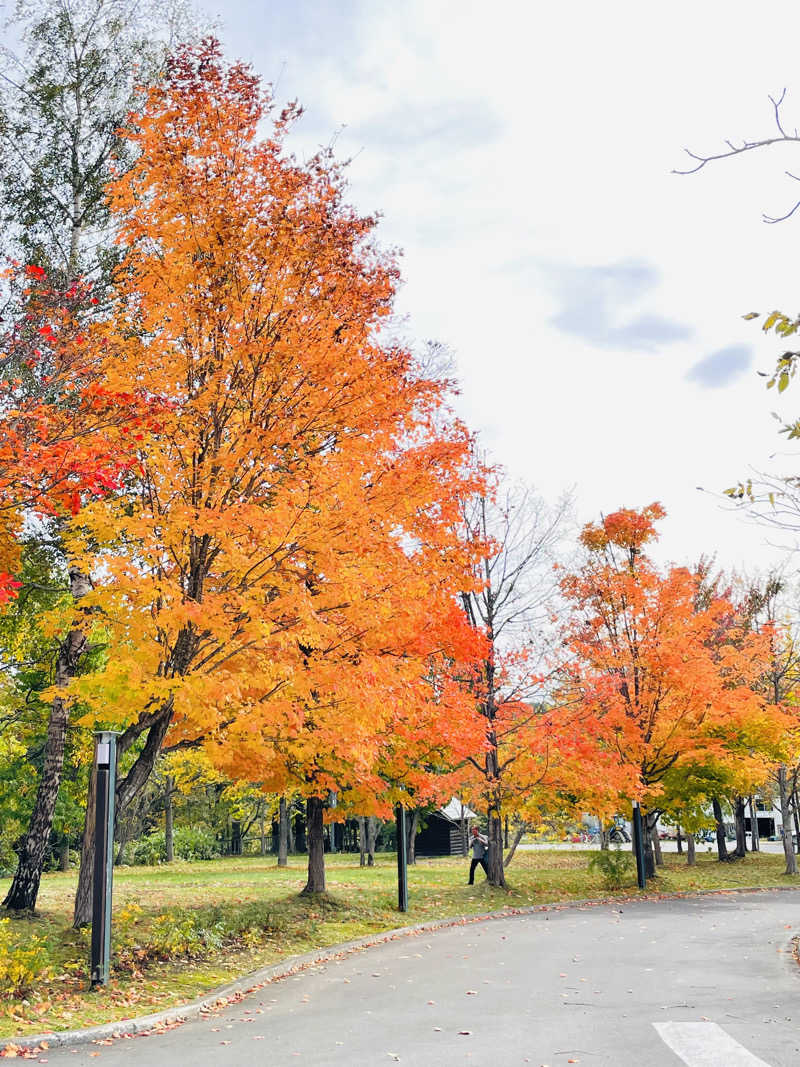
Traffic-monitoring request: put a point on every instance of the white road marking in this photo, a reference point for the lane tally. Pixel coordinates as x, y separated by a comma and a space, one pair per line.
706, 1045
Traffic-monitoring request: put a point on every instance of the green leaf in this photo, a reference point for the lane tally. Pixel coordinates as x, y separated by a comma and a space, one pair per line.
783, 381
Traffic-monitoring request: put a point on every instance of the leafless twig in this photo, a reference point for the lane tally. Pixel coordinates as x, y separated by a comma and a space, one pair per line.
733, 149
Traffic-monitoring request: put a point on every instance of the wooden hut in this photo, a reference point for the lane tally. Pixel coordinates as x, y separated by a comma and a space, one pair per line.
445, 831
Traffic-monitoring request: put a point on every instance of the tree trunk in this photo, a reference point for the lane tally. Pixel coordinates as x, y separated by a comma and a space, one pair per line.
679, 839
315, 833
656, 844
722, 848
169, 838
605, 838
649, 819
741, 835
283, 833
362, 841
24, 888
755, 839
691, 859
796, 818
517, 838
373, 829
786, 821
496, 876
292, 839
411, 837
83, 895
505, 832
127, 788
262, 826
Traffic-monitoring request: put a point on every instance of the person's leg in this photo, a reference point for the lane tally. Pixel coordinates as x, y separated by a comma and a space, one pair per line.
472, 867
485, 865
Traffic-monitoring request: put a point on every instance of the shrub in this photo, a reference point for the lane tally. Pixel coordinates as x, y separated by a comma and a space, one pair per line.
195, 843
20, 965
188, 843
180, 933
613, 865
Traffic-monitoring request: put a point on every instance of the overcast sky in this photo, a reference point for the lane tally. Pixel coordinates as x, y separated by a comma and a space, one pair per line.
520, 153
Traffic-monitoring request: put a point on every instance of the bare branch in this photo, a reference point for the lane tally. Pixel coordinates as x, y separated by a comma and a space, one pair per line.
734, 149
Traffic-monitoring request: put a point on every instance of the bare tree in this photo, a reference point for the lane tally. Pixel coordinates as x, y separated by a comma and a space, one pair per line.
515, 609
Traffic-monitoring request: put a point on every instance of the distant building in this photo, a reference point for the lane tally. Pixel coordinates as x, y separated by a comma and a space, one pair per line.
446, 831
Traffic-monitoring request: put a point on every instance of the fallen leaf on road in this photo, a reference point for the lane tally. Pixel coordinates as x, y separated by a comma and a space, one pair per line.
465, 1033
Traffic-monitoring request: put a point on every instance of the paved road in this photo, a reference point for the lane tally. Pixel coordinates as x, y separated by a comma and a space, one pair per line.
703, 982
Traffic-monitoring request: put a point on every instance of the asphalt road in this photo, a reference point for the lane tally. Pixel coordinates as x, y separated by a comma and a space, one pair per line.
704, 982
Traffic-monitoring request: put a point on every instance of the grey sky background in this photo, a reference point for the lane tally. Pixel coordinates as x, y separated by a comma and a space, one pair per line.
520, 154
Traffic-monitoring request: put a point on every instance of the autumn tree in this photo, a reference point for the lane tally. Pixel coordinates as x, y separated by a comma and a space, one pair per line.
297, 470
65, 437
64, 97
649, 676
519, 538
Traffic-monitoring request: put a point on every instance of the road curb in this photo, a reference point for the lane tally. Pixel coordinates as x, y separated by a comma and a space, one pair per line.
240, 987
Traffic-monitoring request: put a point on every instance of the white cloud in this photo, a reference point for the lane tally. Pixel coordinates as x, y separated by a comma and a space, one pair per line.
521, 155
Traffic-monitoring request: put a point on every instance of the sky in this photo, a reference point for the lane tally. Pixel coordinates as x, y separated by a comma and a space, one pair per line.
521, 156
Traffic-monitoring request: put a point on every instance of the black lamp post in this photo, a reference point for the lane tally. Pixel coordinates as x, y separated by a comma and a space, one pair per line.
105, 755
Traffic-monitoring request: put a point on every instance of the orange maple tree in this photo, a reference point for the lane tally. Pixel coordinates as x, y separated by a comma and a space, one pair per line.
268, 574
655, 677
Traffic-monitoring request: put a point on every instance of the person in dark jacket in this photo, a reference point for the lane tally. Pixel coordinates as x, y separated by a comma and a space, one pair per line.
480, 845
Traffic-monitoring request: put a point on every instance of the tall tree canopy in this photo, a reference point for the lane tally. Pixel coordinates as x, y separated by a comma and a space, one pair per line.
295, 501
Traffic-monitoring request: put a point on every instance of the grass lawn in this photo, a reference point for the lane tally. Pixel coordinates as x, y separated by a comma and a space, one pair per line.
183, 929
